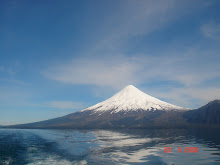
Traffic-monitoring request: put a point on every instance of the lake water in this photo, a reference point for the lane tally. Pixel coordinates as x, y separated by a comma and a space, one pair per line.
64, 147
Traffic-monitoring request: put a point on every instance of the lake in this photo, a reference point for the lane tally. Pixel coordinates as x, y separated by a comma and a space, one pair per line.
81, 147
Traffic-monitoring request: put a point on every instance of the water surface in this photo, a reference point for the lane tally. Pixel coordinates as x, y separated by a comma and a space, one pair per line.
19, 147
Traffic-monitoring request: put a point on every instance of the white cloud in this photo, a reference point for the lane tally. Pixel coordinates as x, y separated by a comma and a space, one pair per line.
65, 105
138, 18
104, 64
131, 19
114, 72
211, 30
11, 80
118, 71
185, 97
8, 70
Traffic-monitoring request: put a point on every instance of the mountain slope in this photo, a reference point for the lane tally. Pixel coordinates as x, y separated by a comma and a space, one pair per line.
133, 119
208, 114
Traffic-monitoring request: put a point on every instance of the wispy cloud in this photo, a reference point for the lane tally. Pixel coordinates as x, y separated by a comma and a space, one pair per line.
65, 105
137, 19
11, 80
114, 72
211, 30
188, 97
7, 70
105, 63
118, 71
8, 73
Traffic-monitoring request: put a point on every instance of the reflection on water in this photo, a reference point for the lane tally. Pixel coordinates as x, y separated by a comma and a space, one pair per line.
108, 146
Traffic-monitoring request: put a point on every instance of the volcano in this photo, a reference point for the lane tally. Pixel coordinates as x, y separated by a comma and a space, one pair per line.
131, 99
129, 108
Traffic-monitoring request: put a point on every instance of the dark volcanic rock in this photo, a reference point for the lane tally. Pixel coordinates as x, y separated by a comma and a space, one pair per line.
208, 114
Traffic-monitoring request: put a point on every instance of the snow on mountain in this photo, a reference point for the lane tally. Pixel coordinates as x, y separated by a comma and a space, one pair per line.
132, 99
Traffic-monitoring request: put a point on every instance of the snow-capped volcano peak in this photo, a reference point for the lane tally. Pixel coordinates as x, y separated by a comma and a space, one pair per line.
131, 99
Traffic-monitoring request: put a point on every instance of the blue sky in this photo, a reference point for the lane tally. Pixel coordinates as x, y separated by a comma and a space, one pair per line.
57, 57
